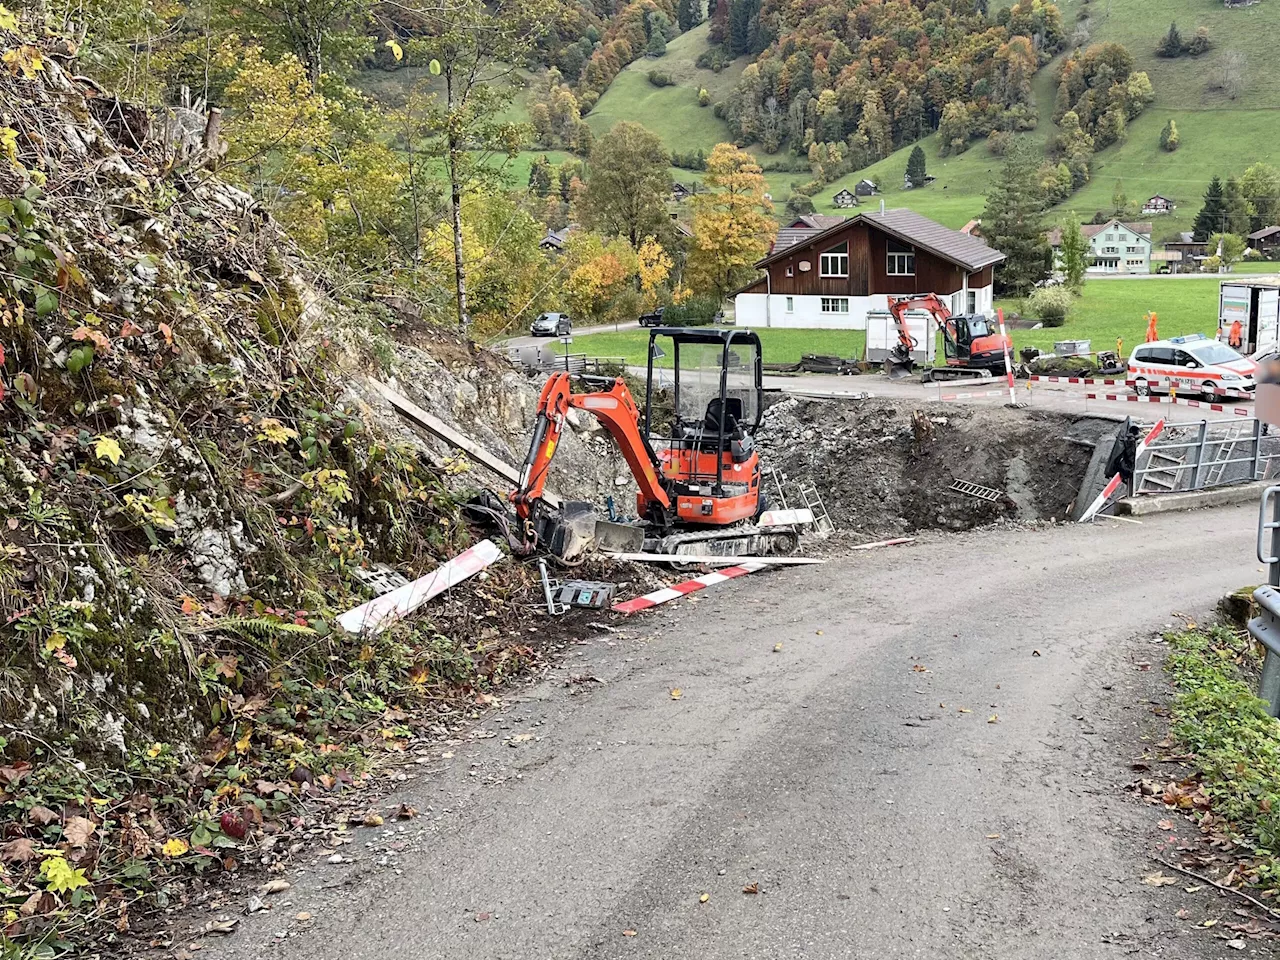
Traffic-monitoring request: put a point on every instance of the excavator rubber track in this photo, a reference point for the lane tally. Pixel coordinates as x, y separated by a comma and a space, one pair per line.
742, 541
951, 374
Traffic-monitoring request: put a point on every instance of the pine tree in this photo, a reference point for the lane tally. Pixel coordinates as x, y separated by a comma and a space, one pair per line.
916, 167
1211, 216
1171, 45
1169, 136
1013, 223
688, 14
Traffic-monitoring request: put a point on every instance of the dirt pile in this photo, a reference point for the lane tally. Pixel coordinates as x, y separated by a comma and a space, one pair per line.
885, 468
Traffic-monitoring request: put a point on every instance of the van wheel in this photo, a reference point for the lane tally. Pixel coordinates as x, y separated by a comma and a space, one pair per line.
1209, 390
1141, 387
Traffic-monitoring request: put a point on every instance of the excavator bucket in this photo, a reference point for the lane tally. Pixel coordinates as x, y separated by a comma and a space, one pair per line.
896, 369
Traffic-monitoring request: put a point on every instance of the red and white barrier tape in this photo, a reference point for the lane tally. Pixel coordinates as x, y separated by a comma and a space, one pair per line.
972, 393
689, 586
1008, 364
1130, 398
1085, 380
1114, 483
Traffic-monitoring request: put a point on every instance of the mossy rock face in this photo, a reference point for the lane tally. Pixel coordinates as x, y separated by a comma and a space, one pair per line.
1238, 608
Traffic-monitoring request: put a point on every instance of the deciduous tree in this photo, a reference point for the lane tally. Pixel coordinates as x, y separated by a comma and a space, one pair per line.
628, 185
732, 227
1074, 253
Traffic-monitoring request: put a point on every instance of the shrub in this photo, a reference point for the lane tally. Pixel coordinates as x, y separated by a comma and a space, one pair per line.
798, 205
704, 98
694, 312
660, 78
1050, 305
998, 142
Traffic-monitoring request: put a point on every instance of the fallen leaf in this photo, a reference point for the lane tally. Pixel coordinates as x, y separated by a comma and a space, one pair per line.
303, 917
628, 933
1165, 825
964, 710
78, 830
1158, 879
447, 755
406, 812
522, 738
993, 836
482, 916
174, 847
818, 632
42, 816
919, 668
1236, 944
1183, 914
18, 851
704, 898
777, 648
221, 925
994, 718
751, 888
1209, 923
676, 693
1195, 888
107, 448
372, 819
274, 886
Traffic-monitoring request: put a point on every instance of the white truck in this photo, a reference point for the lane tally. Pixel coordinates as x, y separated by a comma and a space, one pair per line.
1255, 302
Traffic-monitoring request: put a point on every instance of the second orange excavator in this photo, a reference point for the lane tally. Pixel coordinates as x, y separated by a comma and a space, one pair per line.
973, 347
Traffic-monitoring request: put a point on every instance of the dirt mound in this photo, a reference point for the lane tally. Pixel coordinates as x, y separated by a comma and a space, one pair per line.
886, 468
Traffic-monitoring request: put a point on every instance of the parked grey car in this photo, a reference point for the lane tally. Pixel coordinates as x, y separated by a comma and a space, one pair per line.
551, 325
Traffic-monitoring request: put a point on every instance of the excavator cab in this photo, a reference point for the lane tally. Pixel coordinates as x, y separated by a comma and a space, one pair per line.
705, 443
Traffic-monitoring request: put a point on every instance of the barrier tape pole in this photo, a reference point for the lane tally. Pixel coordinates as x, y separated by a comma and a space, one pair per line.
1008, 364
1114, 482
687, 587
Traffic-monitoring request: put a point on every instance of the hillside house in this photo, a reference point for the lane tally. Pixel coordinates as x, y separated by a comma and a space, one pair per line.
679, 192
1266, 241
832, 277
972, 229
1192, 250
845, 198
865, 188
1114, 246
907, 184
1157, 205
555, 240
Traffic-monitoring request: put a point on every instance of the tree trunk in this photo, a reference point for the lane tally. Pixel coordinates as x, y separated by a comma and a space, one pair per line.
455, 196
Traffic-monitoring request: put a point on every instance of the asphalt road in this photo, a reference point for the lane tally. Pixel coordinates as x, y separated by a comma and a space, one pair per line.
853, 776
553, 343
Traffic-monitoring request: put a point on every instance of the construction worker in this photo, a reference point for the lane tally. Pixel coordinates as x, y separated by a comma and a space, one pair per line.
1236, 337
1124, 453
1152, 335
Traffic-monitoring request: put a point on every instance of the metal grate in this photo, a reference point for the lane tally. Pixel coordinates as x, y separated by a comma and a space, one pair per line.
975, 490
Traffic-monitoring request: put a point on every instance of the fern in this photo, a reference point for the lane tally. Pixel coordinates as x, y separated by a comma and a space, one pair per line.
262, 633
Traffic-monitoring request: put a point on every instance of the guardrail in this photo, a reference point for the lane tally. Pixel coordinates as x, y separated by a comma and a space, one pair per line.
1265, 628
1212, 453
537, 360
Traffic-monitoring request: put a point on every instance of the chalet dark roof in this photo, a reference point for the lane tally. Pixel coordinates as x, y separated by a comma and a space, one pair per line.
1187, 239
555, 239
909, 227
844, 190
1157, 196
1265, 233
802, 227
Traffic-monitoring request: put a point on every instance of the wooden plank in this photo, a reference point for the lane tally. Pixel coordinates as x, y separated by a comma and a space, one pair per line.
726, 561
441, 430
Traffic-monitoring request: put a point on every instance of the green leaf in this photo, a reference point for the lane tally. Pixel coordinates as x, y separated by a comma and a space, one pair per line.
79, 358
396, 50
201, 837
107, 448
46, 302
60, 876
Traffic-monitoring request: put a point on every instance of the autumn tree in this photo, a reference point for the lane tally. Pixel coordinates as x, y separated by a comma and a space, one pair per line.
1261, 185
1013, 223
1225, 250
1169, 139
653, 267
955, 129
628, 184
732, 228
322, 34
875, 125
470, 46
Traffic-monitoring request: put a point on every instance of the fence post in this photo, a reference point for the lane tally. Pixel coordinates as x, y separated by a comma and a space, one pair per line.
1197, 473
1257, 448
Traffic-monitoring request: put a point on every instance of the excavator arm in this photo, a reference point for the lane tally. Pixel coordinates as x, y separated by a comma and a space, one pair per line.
900, 357
617, 412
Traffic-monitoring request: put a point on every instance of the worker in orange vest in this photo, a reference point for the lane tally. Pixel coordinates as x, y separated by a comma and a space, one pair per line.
1152, 335
1236, 337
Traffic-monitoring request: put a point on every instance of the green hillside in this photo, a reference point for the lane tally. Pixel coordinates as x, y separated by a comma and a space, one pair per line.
671, 112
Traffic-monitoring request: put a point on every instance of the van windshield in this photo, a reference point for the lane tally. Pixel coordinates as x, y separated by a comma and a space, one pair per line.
1215, 353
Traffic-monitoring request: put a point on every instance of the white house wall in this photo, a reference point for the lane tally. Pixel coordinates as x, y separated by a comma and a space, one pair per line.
806, 310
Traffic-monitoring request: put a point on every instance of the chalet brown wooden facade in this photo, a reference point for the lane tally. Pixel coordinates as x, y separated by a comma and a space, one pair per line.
833, 277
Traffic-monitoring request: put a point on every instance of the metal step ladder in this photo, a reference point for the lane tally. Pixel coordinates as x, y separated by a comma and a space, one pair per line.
1226, 452
812, 500
1162, 473
779, 488
975, 490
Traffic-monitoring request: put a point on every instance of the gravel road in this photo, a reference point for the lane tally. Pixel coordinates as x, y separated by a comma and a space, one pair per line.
904, 778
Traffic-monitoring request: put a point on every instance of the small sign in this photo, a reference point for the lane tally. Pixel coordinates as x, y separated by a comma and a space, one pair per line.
566, 340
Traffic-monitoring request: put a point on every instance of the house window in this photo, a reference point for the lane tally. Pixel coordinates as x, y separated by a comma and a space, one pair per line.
835, 262
791, 271
1132, 249
791, 304
1110, 236
835, 304
900, 260
973, 302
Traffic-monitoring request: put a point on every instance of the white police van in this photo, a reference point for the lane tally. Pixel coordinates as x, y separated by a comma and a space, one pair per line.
1191, 364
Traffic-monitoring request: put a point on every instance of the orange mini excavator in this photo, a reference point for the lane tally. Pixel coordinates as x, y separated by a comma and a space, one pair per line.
972, 346
698, 473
